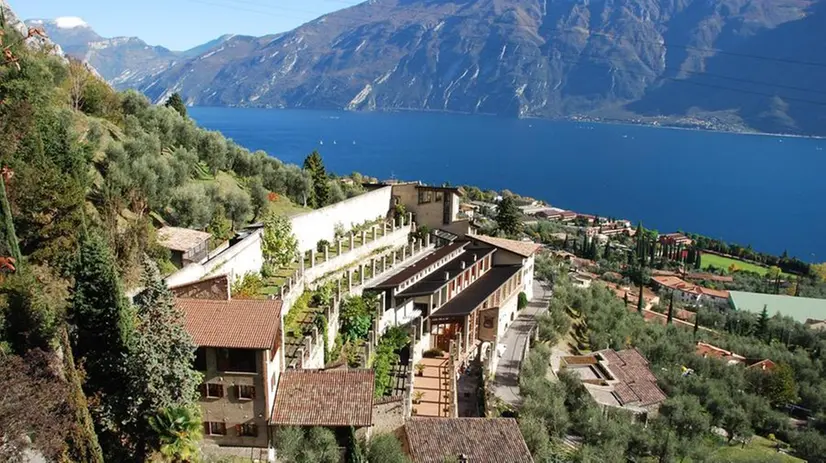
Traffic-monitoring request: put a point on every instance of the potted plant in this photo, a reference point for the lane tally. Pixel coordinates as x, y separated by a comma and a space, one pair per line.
415, 411
420, 369
417, 397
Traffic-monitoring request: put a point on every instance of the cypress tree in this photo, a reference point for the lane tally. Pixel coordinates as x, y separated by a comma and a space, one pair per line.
763, 324
320, 193
607, 252
696, 324
640, 301
626, 298
104, 331
671, 310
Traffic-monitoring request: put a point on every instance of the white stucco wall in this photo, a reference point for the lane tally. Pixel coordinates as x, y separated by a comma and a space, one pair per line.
398, 316
235, 261
506, 311
320, 224
527, 276
394, 239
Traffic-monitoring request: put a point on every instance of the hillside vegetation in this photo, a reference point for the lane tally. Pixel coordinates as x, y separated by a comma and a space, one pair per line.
86, 171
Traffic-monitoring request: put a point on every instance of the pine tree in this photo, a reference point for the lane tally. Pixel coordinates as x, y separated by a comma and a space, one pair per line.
320, 193
162, 359
763, 323
104, 330
670, 319
507, 217
177, 103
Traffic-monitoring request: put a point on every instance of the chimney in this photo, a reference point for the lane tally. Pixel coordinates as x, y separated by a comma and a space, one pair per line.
447, 276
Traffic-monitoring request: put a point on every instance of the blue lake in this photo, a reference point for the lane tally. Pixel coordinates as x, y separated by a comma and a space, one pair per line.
766, 191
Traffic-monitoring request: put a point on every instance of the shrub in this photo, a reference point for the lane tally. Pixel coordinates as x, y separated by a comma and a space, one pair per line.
386, 448
247, 286
522, 302
323, 295
433, 353
321, 245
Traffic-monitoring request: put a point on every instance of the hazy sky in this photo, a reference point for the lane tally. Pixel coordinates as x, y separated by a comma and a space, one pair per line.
182, 24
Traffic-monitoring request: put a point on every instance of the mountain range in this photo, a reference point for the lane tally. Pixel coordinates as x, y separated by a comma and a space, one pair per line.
732, 64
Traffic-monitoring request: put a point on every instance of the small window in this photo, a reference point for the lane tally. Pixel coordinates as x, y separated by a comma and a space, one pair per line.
425, 196
245, 392
247, 429
215, 428
439, 196
213, 391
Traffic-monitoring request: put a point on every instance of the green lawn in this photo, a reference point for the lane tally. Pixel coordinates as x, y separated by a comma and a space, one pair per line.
759, 450
726, 262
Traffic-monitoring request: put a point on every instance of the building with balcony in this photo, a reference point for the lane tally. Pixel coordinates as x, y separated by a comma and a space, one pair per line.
465, 291
238, 352
186, 246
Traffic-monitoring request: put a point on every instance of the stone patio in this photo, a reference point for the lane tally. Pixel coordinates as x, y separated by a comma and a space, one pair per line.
434, 384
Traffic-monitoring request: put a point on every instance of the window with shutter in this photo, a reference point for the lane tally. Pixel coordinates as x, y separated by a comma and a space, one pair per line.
247, 429
245, 392
215, 428
214, 391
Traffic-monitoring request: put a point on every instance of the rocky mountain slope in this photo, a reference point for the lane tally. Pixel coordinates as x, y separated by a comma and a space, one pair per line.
664, 60
123, 61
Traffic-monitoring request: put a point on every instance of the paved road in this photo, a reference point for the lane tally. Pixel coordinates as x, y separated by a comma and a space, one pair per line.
506, 380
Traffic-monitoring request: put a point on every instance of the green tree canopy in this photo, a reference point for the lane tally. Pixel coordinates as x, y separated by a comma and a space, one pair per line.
175, 102
508, 217
279, 245
320, 194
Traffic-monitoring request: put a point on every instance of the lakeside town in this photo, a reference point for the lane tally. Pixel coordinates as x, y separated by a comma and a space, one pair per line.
411, 322
169, 296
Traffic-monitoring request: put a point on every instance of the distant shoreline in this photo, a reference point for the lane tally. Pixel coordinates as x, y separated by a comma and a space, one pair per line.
538, 118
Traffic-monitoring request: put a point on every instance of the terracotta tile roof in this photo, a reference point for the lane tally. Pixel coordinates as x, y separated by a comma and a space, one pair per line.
679, 284
637, 386
481, 440
764, 364
181, 239
236, 323
708, 350
324, 398
522, 248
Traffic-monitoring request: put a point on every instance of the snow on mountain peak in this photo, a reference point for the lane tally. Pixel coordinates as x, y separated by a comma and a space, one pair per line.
69, 22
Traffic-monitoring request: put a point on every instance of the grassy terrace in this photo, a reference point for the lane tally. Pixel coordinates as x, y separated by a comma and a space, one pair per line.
345, 242
273, 284
298, 323
758, 449
713, 260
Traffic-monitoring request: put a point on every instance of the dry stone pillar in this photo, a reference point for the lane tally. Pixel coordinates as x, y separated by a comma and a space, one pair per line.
339, 246
352, 241
312, 257
326, 252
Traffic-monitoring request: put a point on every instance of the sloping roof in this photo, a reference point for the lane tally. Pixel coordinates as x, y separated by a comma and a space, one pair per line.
481, 440
421, 264
637, 385
522, 248
799, 308
452, 268
236, 323
679, 284
181, 239
708, 350
475, 294
324, 398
